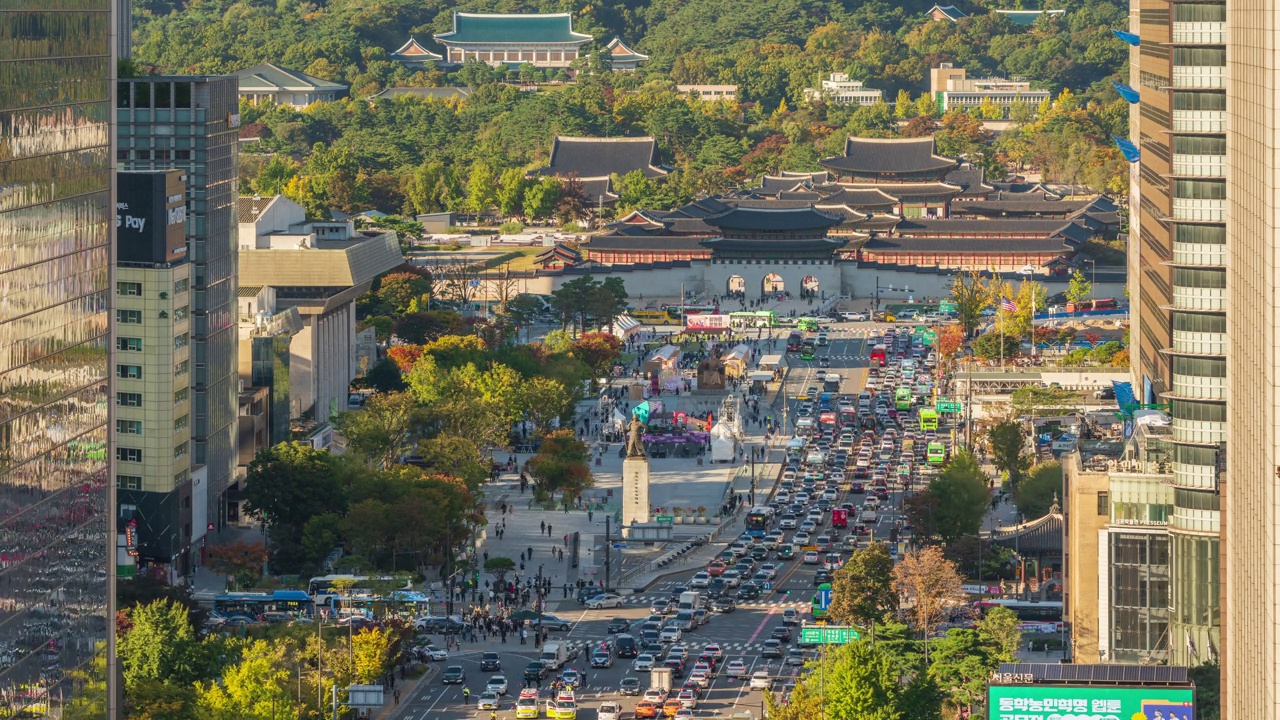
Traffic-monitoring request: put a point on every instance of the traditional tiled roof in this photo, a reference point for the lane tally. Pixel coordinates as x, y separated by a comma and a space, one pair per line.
950, 12
816, 176
599, 157
880, 223
807, 195
1017, 188
967, 245
773, 219
432, 93
273, 78
598, 189
1007, 227
414, 51
670, 243
970, 178
917, 192
699, 208
1028, 17
619, 51
512, 28
250, 208
1020, 206
772, 185
562, 253
861, 197
1040, 536
888, 156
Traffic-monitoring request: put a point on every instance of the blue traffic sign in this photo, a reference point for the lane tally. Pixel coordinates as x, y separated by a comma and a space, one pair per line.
768, 586
824, 599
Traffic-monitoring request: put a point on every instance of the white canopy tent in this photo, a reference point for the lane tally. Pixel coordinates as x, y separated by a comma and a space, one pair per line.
724, 447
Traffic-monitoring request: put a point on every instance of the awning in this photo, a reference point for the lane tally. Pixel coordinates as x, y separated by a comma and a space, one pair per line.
760, 375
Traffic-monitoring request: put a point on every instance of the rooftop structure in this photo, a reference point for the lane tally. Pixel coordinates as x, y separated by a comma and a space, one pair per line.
431, 93
951, 88
543, 40
878, 160
840, 90
414, 55
949, 13
710, 93
1028, 17
623, 58
282, 86
594, 160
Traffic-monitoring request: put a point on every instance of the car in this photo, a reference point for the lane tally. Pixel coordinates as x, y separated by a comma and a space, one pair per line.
488, 700
453, 675
701, 679
801, 538
670, 634
626, 645
605, 600
497, 684
824, 575
655, 695
571, 677
781, 633
629, 686
436, 654
791, 617
683, 714
788, 522
795, 657
671, 707
490, 662
609, 711
723, 605
772, 648
660, 606
535, 672
736, 669
646, 709
748, 591
700, 580
760, 680
644, 663
732, 578
824, 361
713, 650
812, 558
552, 622
618, 625
701, 616
688, 699
601, 660
1107, 393
678, 651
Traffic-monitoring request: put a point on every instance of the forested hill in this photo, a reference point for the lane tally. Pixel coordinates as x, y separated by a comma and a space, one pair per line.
772, 49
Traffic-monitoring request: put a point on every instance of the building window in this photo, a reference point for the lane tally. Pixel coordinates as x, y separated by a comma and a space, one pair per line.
128, 427
129, 482
129, 344
1104, 503
181, 341
181, 396
181, 313
180, 450
181, 154
129, 317
124, 399
124, 454
144, 154
181, 368
129, 289
129, 372
182, 422
181, 286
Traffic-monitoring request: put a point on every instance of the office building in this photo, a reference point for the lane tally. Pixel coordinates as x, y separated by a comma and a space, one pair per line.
1177, 258
157, 487
838, 89
1251, 663
56, 234
710, 93
951, 89
190, 123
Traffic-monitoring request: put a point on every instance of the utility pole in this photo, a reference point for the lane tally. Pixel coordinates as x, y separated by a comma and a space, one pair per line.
607, 547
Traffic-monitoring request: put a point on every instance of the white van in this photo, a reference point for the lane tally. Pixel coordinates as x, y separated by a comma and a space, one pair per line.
554, 656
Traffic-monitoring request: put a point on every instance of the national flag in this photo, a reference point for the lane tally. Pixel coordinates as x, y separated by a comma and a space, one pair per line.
1008, 305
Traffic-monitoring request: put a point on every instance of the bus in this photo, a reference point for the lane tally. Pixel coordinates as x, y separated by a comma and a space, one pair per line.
753, 319
795, 341
255, 605
1093, 305
654, 317
807, 324
902, 398
935, 453
1046, 611
758, 521
325, 589
821, 601
831, 382
878, 355
807, 350
928, 419
676, 310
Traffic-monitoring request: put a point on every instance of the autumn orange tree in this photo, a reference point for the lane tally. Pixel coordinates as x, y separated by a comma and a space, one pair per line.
930, 589
241, 561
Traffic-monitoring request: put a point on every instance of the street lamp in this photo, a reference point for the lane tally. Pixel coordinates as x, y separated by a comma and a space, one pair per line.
1027, 271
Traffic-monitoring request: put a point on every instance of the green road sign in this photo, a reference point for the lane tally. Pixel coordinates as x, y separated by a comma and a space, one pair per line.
665, 519
828, 635
949, 406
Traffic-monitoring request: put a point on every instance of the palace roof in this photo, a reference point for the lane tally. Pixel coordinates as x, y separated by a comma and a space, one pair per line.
600, 157
968, 245
273, 78
619, 51
415, 51
1028, 17
969, 177
1040, 536
888, 156
1007, 227
1018, 206
524, 29
619, 241
914, 192
950, 12
773, 219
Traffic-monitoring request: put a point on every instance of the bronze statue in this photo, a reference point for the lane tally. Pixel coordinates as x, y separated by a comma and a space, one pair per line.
635, 443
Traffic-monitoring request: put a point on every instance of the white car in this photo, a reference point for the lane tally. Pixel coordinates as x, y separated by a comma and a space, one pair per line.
769, 569
700, 580
737, 669
609, 711
435, 653
497, 684
671, 634
760, 680
643, 663
788, 522
488, 700
606, 600
853, 316
732, 578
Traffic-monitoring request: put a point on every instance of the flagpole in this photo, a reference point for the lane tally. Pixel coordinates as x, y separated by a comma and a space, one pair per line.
1002, 311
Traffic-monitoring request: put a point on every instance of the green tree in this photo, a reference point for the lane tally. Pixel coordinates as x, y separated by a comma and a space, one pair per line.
858, 680
926, 106
499, 567
1041, 488
1008, 450
253, 688
1003, 629
510, 191
540, 198
543, 400
372, 650
523, 310
994, 345
320, 535
154, 700
963, 662
482, 190
954, 503
1078, 287
562, 464
401, 289
598, 350
381, 430
286, 485
1208, 680
903, 107
971, 294
275, 175
1032, 400
456, 456
862, 589
161, 645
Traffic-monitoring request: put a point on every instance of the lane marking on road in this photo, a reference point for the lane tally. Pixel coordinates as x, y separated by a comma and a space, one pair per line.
763, 622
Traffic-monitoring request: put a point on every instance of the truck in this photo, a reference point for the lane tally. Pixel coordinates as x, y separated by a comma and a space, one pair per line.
839, 518
824, 401
660, 679
689, 600
868, 516
554, 655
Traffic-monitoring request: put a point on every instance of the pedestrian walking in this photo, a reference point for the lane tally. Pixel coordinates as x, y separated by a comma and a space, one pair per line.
566, 541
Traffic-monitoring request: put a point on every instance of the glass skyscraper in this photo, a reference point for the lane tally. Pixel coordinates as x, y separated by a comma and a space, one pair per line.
56, 229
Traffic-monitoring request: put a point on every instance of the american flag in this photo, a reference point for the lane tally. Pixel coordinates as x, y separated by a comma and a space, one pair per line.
1008, 305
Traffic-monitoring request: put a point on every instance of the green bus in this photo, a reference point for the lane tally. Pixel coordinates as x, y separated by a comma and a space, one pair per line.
756, 318
808, 349
902, 398
807, 324
936, 453
928, 419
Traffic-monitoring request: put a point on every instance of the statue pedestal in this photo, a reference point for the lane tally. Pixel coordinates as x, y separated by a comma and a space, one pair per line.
635, 491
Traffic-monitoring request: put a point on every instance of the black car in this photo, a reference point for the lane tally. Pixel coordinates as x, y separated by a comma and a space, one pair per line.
629, 686
749, 591
782, 632
824, 361
677, 667
627, 646
759, 554
489, 662
724, 605
678, 590
618, 625
535, 672
453, 675
716, 588
822, 576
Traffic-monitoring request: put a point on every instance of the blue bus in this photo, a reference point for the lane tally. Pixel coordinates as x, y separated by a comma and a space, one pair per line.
759, 519
255, 605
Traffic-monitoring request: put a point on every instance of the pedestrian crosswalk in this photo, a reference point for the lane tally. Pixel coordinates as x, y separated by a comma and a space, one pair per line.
785, 601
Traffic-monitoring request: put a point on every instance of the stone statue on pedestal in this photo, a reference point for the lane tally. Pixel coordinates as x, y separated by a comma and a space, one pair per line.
635, 442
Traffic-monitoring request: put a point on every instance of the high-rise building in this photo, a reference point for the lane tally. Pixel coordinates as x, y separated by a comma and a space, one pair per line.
1251, 520
190, 123
1178, 287
56, 233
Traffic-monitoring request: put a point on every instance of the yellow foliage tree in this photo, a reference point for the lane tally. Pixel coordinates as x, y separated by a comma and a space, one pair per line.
373, 650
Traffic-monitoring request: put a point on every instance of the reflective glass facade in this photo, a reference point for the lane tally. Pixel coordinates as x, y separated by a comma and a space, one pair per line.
56, 229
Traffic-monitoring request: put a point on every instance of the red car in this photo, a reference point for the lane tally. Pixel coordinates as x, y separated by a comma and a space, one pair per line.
716, 568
